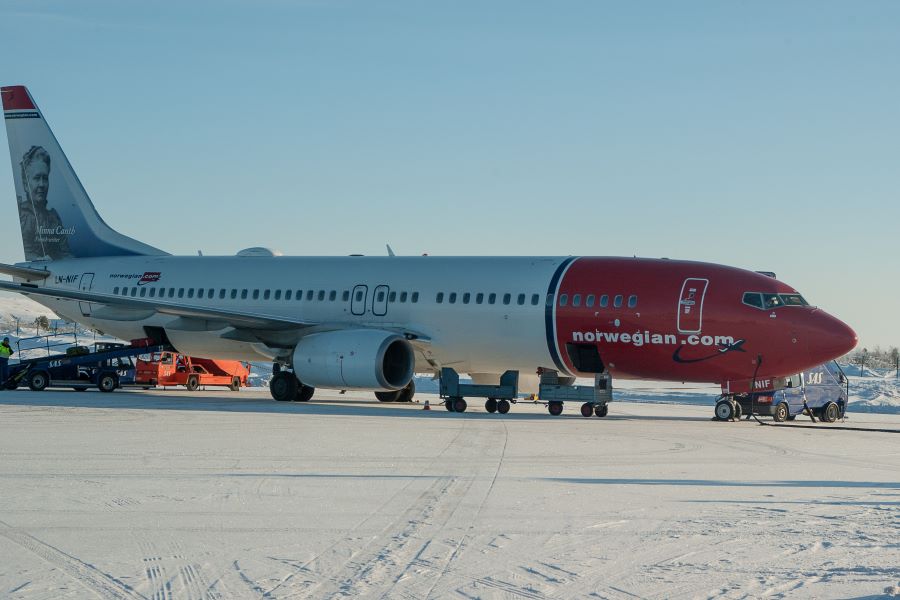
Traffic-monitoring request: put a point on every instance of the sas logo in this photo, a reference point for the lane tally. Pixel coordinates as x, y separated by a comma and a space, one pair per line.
149, 277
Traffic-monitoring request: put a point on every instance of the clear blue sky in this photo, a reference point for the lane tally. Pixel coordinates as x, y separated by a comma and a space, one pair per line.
761, 135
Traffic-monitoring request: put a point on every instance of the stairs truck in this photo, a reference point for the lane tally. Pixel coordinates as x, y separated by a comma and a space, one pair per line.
166, 369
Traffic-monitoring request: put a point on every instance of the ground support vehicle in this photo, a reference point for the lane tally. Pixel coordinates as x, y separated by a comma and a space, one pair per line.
499, 397
108, 366
170, 369
821, 393
595, 398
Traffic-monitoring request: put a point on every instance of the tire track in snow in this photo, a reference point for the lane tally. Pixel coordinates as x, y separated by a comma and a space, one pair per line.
100, 583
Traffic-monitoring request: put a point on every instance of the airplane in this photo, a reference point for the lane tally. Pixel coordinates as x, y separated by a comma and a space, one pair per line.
371, 323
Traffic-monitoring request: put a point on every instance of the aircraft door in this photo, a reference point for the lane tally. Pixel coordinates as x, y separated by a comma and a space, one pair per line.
87, 280
380, 300
358, 300
690, 305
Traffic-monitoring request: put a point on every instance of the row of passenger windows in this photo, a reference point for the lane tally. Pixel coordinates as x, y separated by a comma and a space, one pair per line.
770, 301
481, 298
590, 300
360, 296
256, 294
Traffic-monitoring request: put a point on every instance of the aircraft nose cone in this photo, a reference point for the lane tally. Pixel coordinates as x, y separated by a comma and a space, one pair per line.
830, 338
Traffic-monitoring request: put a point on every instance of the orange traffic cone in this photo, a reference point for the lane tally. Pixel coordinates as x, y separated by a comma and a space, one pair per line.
427, 406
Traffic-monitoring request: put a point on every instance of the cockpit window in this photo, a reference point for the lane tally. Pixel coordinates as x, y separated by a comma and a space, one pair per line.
793, 300
771, 301
753, 299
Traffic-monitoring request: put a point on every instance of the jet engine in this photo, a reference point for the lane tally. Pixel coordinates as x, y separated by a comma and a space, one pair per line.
354, 358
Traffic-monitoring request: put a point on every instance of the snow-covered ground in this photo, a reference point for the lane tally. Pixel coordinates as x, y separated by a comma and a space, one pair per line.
207, 495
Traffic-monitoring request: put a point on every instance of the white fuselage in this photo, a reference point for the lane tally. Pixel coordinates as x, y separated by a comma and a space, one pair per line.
495, 321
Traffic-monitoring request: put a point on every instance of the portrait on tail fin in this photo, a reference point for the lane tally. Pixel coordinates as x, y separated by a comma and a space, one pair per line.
43, 232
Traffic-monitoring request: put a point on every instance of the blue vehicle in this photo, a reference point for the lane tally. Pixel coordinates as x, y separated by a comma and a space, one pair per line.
823, 391
107, 367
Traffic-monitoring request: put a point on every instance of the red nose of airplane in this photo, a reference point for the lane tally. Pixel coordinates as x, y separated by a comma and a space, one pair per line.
829, 338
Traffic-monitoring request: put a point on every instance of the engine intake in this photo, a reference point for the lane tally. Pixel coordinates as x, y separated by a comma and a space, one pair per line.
355, 359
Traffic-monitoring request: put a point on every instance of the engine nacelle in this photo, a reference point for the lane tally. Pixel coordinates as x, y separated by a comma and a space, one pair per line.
354, 358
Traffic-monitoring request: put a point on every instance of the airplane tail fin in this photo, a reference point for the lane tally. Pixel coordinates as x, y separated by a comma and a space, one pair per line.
56, 215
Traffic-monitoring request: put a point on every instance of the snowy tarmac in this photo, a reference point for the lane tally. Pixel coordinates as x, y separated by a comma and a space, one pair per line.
168, 494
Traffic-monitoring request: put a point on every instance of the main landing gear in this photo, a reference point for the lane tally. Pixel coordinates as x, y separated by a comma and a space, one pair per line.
402, 395
285, 387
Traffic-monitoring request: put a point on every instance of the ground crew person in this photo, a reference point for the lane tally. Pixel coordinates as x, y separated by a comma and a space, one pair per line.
5, 352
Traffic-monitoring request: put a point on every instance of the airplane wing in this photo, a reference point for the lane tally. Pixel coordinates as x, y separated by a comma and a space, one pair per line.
234, 318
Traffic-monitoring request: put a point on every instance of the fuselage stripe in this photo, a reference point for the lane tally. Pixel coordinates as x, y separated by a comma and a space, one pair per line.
550, 313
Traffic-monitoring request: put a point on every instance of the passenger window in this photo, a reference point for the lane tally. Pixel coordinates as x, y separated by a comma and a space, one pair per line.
298, 295
492, 299
190, 293
200, 292
753, 299
152, 292
332, 295
116, 290
287, 294
392, 297
244, 294
266, 294
466, 297
440, 297
520, 300
618, 301
452, 297
359, 296
563, 299
171, 292
180, 293
589, 301
256, 294
233, 294
309, 295
278, 294
404, 296
479, 298
143, 292
345, 296
321, 295
222, 294
210, 293
133, 292
604, 301
381, 296
415, 296
535, 298
576, 300
632, 301
507, 298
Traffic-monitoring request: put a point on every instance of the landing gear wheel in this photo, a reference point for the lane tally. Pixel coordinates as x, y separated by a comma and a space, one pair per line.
108, 382
587, 409
305, 393
503, 406
407, 393
601, 410
193, 383
555, 408
459, 405
724, 410
831, 412
235, 384
38, 381
491, 405
283, 386
388, 396
781, 412
737, 410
